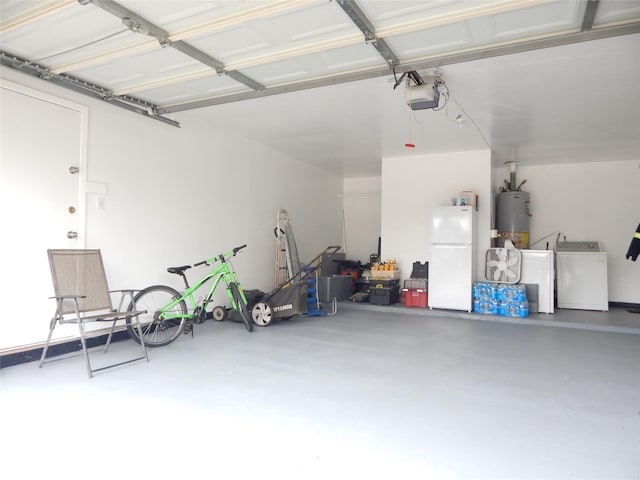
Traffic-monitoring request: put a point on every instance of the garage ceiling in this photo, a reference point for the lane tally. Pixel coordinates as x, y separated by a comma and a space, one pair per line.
535, 81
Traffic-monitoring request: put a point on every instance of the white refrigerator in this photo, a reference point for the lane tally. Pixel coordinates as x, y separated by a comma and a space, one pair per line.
452, 261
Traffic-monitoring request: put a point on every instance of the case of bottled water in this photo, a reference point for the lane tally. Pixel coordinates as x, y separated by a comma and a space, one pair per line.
507, 300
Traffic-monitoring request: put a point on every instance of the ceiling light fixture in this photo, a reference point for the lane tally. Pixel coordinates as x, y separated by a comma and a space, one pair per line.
49, 8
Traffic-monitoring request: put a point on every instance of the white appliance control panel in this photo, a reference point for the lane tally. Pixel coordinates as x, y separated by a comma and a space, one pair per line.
577, 247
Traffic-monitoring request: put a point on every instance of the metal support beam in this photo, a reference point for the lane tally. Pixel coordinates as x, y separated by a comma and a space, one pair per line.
478, 54
359, 18
216, 65
94, 91
589, 15
138, 24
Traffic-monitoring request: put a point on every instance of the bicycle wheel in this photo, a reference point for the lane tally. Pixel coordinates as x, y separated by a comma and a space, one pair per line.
155, 331
241, 306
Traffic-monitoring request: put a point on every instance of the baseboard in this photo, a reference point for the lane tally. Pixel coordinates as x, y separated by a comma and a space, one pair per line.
626, 306
34, 354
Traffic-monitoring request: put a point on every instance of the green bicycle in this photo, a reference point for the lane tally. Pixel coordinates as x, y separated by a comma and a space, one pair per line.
167, 313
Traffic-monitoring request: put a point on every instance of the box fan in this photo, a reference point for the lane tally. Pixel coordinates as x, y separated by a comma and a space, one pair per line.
503, 265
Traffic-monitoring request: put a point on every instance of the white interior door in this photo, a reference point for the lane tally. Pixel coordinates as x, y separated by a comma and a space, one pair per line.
41, 207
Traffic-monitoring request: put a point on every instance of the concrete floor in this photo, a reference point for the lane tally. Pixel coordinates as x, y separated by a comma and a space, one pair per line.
372, 392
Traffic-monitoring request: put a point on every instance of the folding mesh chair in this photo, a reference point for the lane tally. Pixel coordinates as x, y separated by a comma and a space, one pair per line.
82, 296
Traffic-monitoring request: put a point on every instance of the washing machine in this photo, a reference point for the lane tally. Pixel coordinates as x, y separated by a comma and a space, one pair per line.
581, 276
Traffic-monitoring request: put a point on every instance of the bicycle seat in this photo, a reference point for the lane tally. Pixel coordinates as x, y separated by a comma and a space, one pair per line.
178, 270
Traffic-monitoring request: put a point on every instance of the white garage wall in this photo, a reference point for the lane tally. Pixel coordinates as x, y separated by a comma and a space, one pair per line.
412, 185
193, 193
174, 196
362, 205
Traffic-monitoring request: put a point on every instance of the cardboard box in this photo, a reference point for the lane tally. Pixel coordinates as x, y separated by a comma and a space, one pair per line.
385, 274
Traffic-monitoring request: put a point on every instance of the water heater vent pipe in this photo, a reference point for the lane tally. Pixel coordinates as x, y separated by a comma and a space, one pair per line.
512, 174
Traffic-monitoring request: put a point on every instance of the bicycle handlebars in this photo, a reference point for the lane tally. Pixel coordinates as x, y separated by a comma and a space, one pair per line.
237, 249
222, 256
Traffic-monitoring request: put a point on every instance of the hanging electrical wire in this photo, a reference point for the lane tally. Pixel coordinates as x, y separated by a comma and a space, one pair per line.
547, 236
444, 94
458, 120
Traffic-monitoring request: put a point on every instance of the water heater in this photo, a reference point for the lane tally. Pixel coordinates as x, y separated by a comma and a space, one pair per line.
512, 212
512, 218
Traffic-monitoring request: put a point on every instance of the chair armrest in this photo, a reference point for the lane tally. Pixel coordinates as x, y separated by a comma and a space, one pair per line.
68, 297
124, 293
